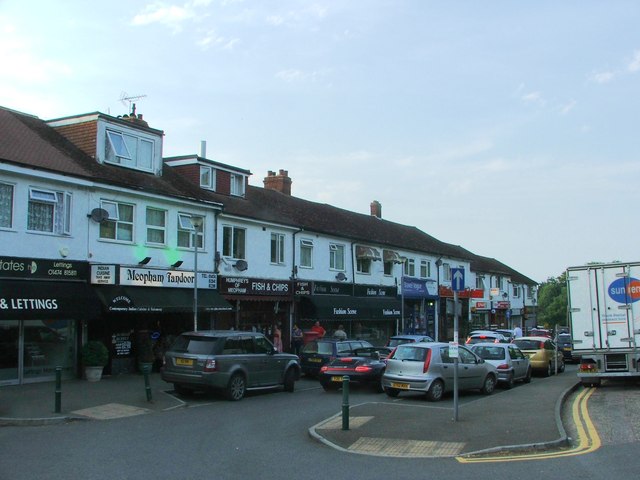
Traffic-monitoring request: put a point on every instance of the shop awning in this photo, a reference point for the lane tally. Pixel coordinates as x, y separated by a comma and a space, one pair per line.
370, 253
391, 256
346, 307
117, 298
37, 300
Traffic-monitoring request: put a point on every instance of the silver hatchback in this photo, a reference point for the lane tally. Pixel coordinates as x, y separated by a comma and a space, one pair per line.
428, 368
228, 360
512, 364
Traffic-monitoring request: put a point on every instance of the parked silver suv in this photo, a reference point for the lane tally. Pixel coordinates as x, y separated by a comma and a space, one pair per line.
228, 360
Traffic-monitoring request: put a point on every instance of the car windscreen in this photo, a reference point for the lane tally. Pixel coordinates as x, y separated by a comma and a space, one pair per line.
323, 348
528, 344
408, 352
394, 342
489, 353
195, 345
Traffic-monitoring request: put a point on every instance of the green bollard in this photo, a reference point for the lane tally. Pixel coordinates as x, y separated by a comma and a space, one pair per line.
147, 385
345, 403
58, 407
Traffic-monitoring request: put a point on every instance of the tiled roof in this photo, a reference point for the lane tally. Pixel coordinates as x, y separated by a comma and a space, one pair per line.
28, 141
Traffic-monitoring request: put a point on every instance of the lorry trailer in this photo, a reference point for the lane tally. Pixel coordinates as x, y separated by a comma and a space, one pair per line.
604, 314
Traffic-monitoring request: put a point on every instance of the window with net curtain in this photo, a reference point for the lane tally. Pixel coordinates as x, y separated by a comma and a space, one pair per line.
49, 211
6, 205
156, 226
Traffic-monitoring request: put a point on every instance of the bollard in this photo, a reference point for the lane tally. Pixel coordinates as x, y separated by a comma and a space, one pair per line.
147, 385
58, 407
345, 403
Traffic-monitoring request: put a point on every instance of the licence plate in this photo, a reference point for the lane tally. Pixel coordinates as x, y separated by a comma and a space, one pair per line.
402, 386
336, 379
187, 362
567, 349
315, 360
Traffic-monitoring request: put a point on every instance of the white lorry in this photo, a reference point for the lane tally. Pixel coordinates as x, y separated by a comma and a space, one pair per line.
604, 314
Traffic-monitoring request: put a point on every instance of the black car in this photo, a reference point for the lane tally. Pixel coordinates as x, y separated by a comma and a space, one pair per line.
565, 345
366, 365
317, 353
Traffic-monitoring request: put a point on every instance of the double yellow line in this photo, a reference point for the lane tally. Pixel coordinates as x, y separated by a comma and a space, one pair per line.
588, 438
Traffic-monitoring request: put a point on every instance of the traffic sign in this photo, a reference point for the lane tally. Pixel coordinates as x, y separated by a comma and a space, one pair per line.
457, 279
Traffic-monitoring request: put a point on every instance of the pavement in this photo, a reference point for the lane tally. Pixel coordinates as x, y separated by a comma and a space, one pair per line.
525, 417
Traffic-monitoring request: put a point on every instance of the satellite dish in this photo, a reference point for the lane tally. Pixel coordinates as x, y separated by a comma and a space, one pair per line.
99, 215
241, 265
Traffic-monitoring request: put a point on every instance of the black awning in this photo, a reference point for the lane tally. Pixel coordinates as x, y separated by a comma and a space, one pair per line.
117, 298
346, 307
36, 300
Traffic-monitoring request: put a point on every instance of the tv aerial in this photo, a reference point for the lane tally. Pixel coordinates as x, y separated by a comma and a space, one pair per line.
125, 99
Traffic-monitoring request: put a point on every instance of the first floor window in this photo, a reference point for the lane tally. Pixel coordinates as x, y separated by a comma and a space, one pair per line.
49, 211
190, 231
388, 268
446, 272
479, 283
233, 242
119, 225
237, 185
336, 257
156, 226
306, 253
363, 265
410, 267
425, 269
277, 248
6, 205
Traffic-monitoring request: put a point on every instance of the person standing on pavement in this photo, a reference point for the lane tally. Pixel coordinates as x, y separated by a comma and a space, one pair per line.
340, 334
318, 329
297, 339
277, 337
517, 332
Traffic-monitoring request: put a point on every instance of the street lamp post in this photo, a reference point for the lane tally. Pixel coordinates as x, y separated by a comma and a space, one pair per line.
437, 315
196, 222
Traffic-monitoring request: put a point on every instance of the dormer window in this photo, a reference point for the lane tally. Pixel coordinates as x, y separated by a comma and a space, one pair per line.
237, 185
129, 150
207, 177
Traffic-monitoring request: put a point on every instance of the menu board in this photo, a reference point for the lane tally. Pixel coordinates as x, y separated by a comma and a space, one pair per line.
122, 344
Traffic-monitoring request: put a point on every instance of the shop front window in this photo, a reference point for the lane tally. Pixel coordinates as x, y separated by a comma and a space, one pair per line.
47, 345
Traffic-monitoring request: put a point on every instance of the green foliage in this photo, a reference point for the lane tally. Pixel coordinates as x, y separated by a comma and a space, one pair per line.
552, 302
95, 354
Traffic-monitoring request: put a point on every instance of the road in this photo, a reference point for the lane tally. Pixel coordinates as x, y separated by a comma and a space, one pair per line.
265, 436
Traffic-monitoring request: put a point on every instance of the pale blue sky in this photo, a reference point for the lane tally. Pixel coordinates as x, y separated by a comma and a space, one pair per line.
507, 127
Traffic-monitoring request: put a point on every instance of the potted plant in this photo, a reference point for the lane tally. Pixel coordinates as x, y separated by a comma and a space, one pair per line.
95, 357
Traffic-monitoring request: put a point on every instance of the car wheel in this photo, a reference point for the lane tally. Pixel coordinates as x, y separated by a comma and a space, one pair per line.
236, 388
378, 385
561, 366
510, 381
489, 385
391, 392
181, 390
289, 380
527, 378
549, 371
436, 390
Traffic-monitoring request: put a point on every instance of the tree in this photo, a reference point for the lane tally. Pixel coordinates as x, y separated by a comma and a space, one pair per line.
552, 302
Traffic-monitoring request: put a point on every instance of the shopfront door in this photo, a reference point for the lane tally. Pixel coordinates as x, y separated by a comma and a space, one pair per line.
9, 351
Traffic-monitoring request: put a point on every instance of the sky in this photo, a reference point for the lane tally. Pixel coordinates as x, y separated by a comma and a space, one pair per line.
507, 127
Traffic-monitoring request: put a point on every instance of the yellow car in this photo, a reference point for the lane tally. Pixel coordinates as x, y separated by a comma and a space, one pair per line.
543, 354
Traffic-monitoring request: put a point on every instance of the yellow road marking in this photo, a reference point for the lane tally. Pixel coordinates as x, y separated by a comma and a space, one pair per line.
588, 438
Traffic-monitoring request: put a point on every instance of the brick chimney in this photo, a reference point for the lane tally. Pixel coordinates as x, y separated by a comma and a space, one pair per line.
376, 209
280, 182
